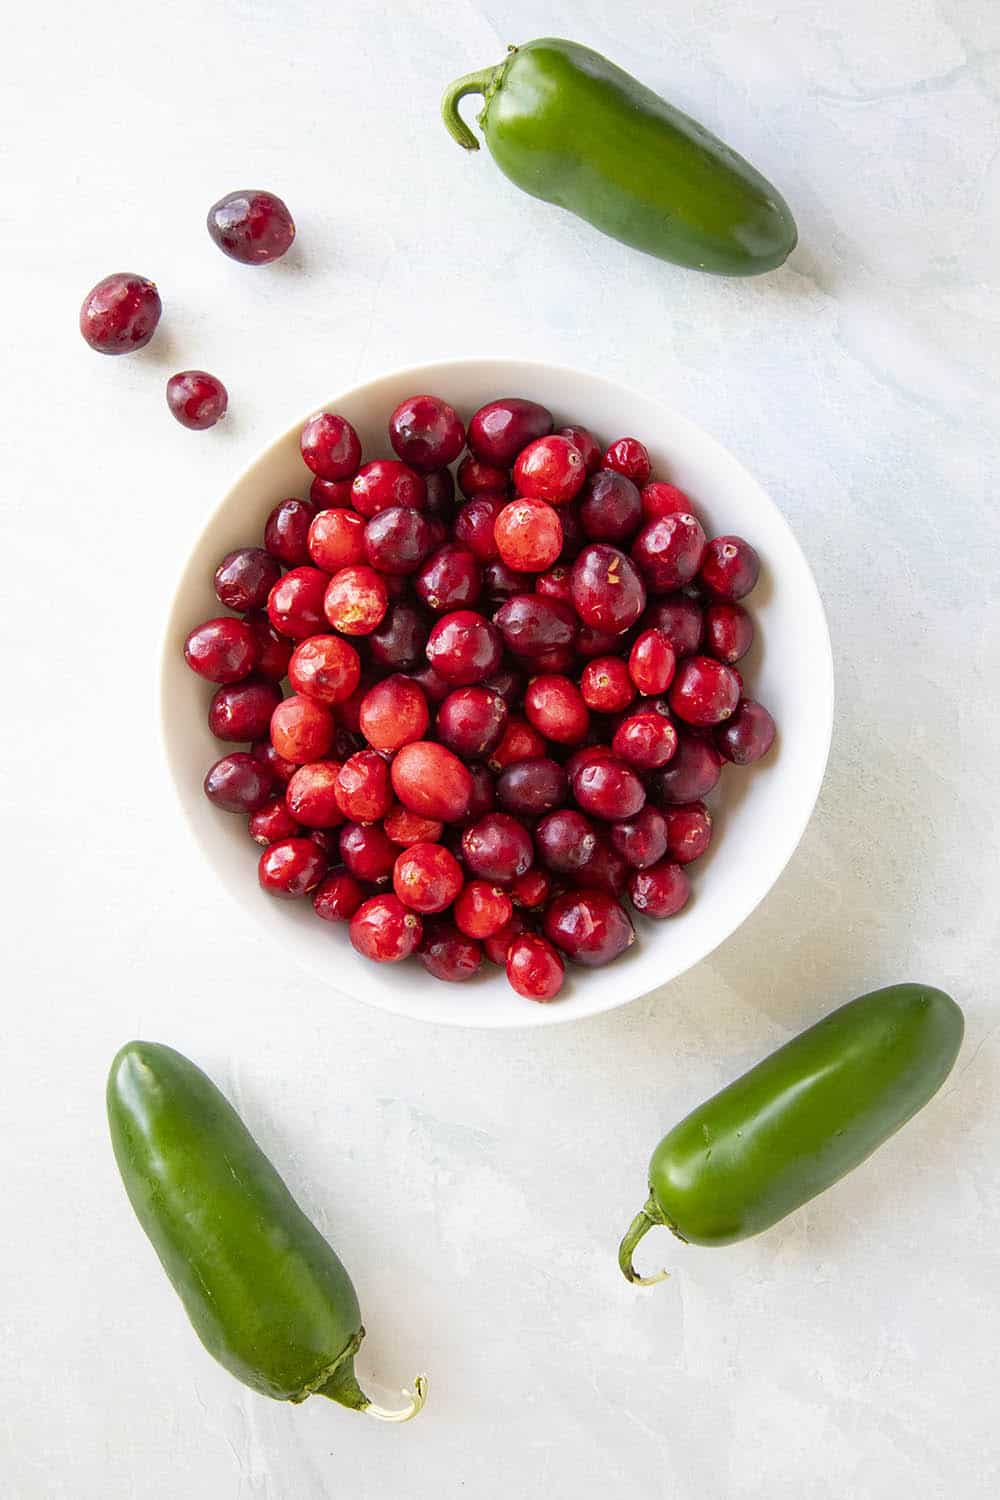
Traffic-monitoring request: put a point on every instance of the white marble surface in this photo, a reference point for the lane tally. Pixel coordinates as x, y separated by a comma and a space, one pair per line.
477, 1183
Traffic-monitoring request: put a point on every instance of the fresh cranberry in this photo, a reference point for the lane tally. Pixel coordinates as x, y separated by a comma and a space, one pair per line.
406, 828
610, 510
587, 755
607, 590
519, 741
565, 840
394, 713
291, 867
330, 446
286, 531
550, 468
364, 793
660, 891
245, 578
748, 735
397, 540
629, 457
482, 910
501, 583
282, 770
589, 926
531, 624
680, 619
572, 527
448, 954
429, 780
553, 584
330, 494
532, 788
295, 604
242, 710
532, 889
251, 226
669, 551
645, 739
497, 947
325, 668
386, 484
730, 568
705, 691
274, 651
689, 831
366, 851
555, 706
464, 647
301, 730
338, 897
652, 663
606, 685
474, 525
272, 822
728, 632
476, 478
497, 848
440, 494
398, 642
426, 432
336, 539
349, 712
605, 870
471, 720
608, 788
238, 783
499, 430
641, 840
120, 313
198, 400
222, 650
383, 930
659, 499
427, 878
451, 578
528, 535
356, 600
590, 643
693, 772
534, 968
590, 448
509, 683
311, 795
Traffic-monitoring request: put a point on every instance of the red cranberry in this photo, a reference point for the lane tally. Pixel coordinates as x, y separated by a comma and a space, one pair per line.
406, 828
430, 780
282, 770
689, 831
451, 578
531, 624
565, 840
560, 661
338, 897
366, 851
245, 578
680, 619
508, 683
325, 668
291, 867
336, 539
497, 848
607, 591
553, 584
497, 947
660, 499
652, 663
749, 734
660, 891
589, 926
693, 772
397, 540
464, 647
272, 822
286, 532
608, 788
427, 878
434, 687
295, 604
440, 493
731, 568
587, 755
398, 642
611, 510
198, 400
499, 430
383, 930
426, 432
501, 583
728, 632
528, 535
531, 788
329, 494
669, 551
482, 910
448, 954
534, 968
394, 713
330, 446
120, 313
641, 840
555, 706
386, 484
606, 685
356, 600
242, 710
590, 448
238, 783
705, 691
629, 457
471, 720
605, 870
550, 468
590, 642
364, 793
572, 526
474, 525
301, 730
312, 795
519, 741
532, 889
251, 226
222, 650
274, 652
645, 739
477, 478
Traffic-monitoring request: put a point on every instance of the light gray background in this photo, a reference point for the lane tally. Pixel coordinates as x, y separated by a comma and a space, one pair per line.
477, 1183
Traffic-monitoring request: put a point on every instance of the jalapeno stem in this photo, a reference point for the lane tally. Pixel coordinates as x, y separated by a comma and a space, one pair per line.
471, 83
343, 1387
646, 1219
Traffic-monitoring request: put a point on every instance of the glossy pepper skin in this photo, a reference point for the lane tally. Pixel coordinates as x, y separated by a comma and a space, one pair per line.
567, 125
265, 1292
800, 1120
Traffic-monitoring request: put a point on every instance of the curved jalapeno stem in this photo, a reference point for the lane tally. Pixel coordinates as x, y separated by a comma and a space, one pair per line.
343, 1388
646, 1219
484, 82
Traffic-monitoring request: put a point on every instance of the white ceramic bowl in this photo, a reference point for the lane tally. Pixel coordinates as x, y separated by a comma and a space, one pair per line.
760, 814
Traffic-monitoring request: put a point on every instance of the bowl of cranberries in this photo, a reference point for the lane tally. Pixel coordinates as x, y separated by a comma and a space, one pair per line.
500, 693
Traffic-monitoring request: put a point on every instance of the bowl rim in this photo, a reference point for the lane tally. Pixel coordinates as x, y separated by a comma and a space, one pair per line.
534, 1015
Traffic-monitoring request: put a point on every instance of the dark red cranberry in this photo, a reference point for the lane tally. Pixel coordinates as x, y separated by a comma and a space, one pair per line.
605, 870
291, 867
426, 432
660, 891
642, 840
474, 525
272, 822
477, 478
500, 429
427, 877
336, 539
590, 448
680, 620
532, 788
364, 793
501, 583
519, 741
730, 568
311, 795
241, 711
555, 706
610, 509
749, 734
338, 897
550, 468
464, 647
565, 840
471, 720
659, 499
669, 551
589, 926
689, 831
497, 848
330, 494
397, 540
356, 600
198, 400
325, 668
728, 632
330, 446
572, 528
251, 226
238, 783
435, 688
606, 685
534, 968
282, 770
120, 313
691, 775
245, 578
295, 604
553, 584
451, 578
383, 930
482, 910
587, 755
440, 494
222, 650
509, 683
652, 663
528, 535
532, 889
645, 739
286, 532
301, 730
629, 457
705, 691
483, 798
448, 954
531, 624
274, 651
590, 642
398, 642
608, 788
394, 713
429, 780
608, 593
386, 483
366, 851
497, 947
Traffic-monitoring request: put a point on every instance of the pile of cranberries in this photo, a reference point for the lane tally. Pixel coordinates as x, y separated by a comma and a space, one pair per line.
506, 705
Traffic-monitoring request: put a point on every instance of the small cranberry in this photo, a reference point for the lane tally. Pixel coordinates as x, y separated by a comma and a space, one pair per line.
660, 891
565, 839
652, 663
427, 878
556, 708
338, 897
286, 532
330, 446
291, 867
550, 468
222, 650
590, 927
238, 783
532, 788
295, 604
426, 432
669, 551
394, 713
448, 954
629, 457
497, 848
120, 314
431, 781
748, 735
610, 509
730, 568
500, 429
336, 539
383, 930
705, 691
728, 632
242, 710
311, 795
471, 720
272, 822
689, 831
356, 600
641, 840
528, 534
451, 578
590, 448
301, 730
691, 775
251, 226
386, 484
608, 592
464, 647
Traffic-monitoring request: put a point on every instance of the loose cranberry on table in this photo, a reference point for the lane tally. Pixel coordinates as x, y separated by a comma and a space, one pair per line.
681, 620
429, 780
606, 684
610, 508
482, 910
519, 741
330, 446
301, 730
311, 795
338, 897
528, 535
451, 578
356, 600
364, 791
245, 578
645, 739
691, 774
475, 523
660, 891
532, 788
222, 650
608, 788
394, 713
336, 539
427, 878
705, 691
238, 783
728, 632
295, 604
476, 478
386, 483
748, 735
120, 313
659, 499
551, 468
286, 531
669, 552
590, 927
272, 822
251, 226
366, 851
448, 954
282, 770
291, 867
689, 831
730, 568
241, 711
565, 840
590, 448
629, 457
531, 624
534, 968
382, 929
556, 708
464, 647
426, 432
274, 651
652, 662
329, 494
532, 889
641, 840
500, 429
497, 848
471, 721
198, 400
605, 870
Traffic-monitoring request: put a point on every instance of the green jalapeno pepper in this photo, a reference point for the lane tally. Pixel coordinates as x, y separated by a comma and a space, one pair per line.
266, 1294
566, 125
800, 1120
